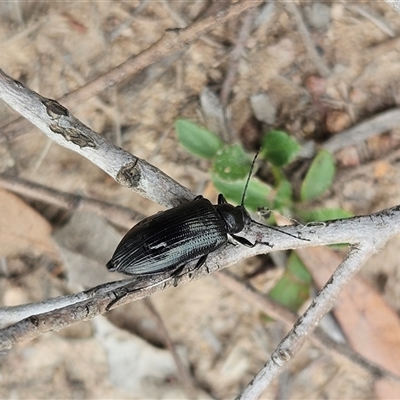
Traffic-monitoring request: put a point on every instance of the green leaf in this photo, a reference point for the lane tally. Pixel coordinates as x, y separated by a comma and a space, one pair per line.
283, 190
279, 148
323, 214
283, 196
197, 140
256, 196
299, 271
232, 163
293, 289
319, 177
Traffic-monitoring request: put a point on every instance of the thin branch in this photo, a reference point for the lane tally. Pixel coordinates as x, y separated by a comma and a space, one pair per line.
119, 215
171, 42
282, 314
126, 24
376, 19
13, 314
371, 230
374, 126
126, 217
318, 62
235, 56
294, 340
61, 126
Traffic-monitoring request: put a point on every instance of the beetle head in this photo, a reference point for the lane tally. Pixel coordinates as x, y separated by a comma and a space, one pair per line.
235, 218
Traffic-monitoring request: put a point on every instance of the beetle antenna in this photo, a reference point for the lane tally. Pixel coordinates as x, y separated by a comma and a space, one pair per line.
244, 195
249, 176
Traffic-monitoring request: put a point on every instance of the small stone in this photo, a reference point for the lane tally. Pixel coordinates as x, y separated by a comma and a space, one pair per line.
337, 121
318, 15
263, 107
316, 85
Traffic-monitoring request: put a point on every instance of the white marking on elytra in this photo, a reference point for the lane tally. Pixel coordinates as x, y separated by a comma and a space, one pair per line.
158, 246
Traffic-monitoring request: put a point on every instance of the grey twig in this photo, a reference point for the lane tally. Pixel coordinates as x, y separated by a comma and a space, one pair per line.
235, 56
61, 126
318, 62
375, 19
376, 125
122, 216
371, 230
282, 314
294, 340
171, 42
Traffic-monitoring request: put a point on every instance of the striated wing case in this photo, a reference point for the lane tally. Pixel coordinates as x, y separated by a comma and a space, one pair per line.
170, 239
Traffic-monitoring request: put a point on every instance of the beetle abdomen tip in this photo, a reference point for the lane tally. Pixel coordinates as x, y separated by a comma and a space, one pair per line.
110, 266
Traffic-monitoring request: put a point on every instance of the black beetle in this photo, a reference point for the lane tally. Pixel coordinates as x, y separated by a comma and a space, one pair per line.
167, 241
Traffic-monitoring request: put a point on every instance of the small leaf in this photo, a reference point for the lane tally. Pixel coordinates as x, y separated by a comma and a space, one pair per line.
197, 140
283, 190
232, 163
293, 289
256, 196
296, 267
319, 177
279, 148
323, 214
283, 196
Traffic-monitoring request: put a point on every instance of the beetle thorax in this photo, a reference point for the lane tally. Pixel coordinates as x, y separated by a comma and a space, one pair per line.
235, 218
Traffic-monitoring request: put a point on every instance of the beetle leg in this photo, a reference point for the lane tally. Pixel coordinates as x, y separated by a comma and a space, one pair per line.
247, 243
200, 262
119, 296
178, 271
243, 241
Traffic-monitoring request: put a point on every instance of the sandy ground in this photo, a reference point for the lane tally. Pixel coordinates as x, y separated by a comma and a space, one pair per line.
57, 47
